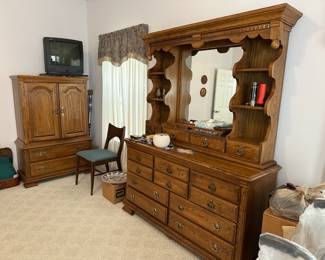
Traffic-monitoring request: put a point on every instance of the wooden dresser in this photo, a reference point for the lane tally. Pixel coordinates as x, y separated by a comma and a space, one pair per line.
52, 125
212, 201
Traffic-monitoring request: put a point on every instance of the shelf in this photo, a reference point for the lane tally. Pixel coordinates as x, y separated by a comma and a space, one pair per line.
153, 73
157, 99
252, 70
247, 107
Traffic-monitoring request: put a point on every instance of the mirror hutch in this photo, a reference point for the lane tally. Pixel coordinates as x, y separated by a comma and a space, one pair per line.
210, 195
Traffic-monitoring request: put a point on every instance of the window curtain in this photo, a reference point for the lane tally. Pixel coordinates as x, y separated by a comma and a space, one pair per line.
122, 55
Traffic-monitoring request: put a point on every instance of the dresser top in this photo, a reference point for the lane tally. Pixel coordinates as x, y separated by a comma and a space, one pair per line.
33, 78
207, 164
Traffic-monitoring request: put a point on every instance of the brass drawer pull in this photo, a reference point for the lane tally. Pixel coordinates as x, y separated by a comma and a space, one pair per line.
215, 247
169, 170
205, 142
240, 151
169, 185
211, 205
180, 207
155, 211
41, 153
179, 225
132, 197
172, 136
216, 227
138, 171
156, 194
212, 187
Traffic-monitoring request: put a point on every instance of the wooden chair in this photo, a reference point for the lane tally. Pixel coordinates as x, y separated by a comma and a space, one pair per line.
102, 156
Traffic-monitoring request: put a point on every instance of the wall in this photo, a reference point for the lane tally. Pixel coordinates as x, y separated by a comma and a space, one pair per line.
301, 136
23, 24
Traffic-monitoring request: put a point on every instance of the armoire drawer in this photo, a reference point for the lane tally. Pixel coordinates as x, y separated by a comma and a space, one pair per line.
243, 150
177, 135
217, 225
55, 151
221, 207
148, 188
172, 169
55, 165
140, 157
225, 190
172, 184
216, 143
203, 238
153, 208
140, 170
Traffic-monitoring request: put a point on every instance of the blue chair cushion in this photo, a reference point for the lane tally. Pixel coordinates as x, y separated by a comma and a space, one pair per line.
7, 171
97, 155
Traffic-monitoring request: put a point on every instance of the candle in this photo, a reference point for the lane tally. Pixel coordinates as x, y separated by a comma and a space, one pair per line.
261, 94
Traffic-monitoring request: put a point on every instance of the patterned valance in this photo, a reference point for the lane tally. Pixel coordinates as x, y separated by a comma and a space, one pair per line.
120, 45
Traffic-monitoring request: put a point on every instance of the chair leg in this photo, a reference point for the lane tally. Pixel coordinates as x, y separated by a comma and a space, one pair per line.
119, 165
77, 169
92, 173
107, 166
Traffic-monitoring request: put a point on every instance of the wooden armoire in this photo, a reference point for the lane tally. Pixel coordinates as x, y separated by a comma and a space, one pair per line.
52, 125
212, 197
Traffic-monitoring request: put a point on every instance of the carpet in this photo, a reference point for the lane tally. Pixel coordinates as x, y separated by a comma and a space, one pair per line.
58, 220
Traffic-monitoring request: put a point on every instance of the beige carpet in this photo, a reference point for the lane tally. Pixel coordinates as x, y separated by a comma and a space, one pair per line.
58, 220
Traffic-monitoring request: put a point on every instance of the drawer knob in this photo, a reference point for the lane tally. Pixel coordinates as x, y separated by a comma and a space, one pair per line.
132, 197
180, 207
156, 194
211, 205
205, 142
172, 136
138, 171
215, 247
42, 153
216, 227
179, 225
212, 187
155, 211
169, 170
169, 185
240, 151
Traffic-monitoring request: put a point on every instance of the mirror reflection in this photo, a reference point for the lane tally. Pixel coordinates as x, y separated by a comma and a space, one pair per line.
212, 86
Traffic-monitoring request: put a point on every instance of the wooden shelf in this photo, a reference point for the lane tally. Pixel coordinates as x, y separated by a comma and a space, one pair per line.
247, 107
154, 73
157, 99
252, 70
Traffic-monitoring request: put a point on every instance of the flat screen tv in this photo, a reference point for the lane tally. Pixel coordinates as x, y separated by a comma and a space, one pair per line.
63, 56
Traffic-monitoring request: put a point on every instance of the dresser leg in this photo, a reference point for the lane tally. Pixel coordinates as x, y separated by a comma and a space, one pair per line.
30, 184
128, 210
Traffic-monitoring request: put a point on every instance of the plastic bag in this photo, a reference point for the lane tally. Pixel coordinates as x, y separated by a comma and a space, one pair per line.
290, 201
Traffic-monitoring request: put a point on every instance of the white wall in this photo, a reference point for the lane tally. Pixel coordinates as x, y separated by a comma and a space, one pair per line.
301, 136
23, 24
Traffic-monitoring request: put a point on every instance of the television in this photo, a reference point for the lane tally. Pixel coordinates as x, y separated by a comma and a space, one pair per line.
63, 56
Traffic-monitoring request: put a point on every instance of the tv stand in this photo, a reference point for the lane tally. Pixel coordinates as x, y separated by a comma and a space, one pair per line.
61, 75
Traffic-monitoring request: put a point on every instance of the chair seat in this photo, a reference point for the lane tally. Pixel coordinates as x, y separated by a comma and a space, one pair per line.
97, 155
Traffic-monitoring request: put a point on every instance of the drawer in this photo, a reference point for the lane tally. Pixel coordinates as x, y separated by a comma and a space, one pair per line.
153, 208
140, 157
244, 151
221, 207
172, 169
178, 135
171, 184
217, 187
215, 143
148, 188
140, 170
203, 238
55, 151
210, 221
55, 165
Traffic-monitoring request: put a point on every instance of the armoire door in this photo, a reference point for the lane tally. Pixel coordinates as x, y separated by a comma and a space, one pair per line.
73, 107
42, 111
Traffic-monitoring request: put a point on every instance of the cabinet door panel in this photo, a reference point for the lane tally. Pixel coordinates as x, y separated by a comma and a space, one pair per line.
42, 106
73, 107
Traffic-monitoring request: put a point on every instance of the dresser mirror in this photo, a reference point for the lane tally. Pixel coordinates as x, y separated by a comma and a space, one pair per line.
212, 74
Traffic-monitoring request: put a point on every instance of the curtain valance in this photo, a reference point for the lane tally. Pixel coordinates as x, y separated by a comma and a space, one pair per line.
120, 45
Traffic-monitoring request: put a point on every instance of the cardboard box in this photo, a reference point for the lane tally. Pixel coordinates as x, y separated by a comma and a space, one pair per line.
113, 192
274, 224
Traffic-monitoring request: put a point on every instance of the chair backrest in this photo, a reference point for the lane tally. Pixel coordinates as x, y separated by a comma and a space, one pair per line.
113, 132
275, 247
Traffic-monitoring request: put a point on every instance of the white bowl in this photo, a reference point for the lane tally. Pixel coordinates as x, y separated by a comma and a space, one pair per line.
161, 140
